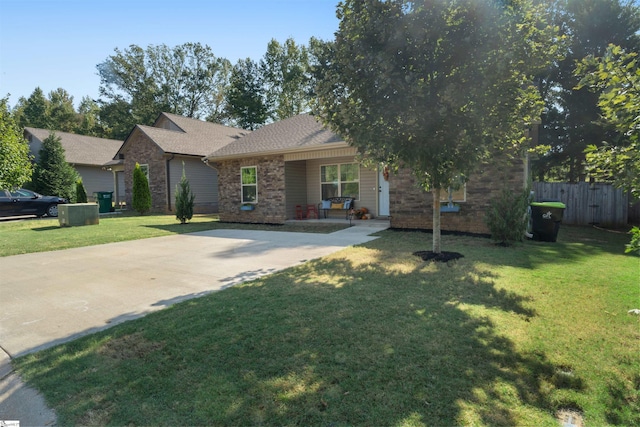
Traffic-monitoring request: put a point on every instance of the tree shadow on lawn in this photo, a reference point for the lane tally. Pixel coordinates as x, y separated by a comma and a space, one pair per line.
333, 342
574, 243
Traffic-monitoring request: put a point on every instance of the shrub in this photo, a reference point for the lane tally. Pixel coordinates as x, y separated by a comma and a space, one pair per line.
81, 193
52, 175
141, 194
507, 216
634, 244
184, 199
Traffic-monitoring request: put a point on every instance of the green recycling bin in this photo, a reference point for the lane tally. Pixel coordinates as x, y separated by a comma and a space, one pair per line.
104, 200
545, 220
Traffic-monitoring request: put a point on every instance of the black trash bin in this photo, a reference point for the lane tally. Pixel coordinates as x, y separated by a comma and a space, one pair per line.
104, 200
545, 220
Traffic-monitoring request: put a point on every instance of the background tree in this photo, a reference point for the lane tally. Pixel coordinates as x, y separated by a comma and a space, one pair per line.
221, 82
437, 87
141, 193
616, 77
246, 105
128, 92
184, 199
32, 112
89, 122
57, 113
52, 174
570, 121
188, 76
137, 84
61, 113
15, 161
286, 78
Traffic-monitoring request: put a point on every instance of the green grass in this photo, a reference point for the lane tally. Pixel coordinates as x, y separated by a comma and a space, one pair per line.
26, 236
372, 335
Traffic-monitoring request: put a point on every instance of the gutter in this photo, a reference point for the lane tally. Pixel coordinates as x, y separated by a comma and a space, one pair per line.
321, 147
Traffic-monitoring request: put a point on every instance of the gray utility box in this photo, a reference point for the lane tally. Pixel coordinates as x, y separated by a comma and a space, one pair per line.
73, 214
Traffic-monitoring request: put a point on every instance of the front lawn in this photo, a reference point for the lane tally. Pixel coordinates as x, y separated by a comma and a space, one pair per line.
373, 335
41, 235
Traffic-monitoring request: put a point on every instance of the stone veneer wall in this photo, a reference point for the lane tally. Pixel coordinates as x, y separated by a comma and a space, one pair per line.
411, 207
271, 206
143, 151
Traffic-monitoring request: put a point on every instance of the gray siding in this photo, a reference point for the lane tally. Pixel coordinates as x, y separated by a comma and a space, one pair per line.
296, 186
203, 181
96, 179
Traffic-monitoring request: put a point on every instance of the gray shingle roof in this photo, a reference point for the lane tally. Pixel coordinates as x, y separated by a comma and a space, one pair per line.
81, 149
292, 134
198, 138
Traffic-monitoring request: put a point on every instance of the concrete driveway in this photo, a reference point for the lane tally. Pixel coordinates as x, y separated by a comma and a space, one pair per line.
53, 297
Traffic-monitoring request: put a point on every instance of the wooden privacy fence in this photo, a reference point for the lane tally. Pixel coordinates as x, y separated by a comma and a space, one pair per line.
586, 203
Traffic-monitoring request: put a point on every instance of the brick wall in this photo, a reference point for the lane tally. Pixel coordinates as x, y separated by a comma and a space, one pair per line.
141, 150
271, 206
411, 207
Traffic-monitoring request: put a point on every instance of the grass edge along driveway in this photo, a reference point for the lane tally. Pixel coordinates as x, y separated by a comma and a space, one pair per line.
375, 336
41, 235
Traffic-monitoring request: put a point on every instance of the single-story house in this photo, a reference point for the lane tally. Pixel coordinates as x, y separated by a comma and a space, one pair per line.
87, 154
163, 149
298, 161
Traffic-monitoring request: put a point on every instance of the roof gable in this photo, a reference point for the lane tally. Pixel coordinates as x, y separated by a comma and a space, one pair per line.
81, 149
183, 135
292, 134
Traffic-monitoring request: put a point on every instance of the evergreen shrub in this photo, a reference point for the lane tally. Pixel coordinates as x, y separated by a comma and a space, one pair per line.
507, 216
81, 193
141, 193
184, 199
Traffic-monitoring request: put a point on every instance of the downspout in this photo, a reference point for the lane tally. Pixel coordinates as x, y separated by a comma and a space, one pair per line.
169, 182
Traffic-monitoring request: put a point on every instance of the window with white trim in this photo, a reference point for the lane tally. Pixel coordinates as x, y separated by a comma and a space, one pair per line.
249, 184
341, 180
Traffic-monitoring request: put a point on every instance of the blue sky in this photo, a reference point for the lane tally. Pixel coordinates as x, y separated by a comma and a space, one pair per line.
58, 43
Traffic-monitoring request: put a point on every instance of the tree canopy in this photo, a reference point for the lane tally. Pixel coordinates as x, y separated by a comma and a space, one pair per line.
15, 161
616, 76
570, 121
137, 84
435, 87
52, 174
286, 77
246, 98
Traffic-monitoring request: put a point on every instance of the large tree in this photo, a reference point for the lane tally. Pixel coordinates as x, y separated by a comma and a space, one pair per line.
435, 86
57, 113
286, 76
32, 111
52, 174
15, 161
616, 77
246, 100
570, 121
61, 113
137, 84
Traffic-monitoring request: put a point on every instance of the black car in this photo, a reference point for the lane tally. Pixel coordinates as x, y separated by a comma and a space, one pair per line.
26, 202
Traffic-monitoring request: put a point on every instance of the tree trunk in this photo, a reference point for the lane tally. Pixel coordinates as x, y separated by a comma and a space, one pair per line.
436, 220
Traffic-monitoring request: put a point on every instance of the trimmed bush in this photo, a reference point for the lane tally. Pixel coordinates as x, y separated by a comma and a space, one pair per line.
141, 192
507, 217
184, 199
81, 193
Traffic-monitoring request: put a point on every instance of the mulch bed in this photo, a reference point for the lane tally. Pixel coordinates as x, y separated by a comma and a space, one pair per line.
441, 257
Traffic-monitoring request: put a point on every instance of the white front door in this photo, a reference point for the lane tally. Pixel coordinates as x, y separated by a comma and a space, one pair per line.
383, 194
